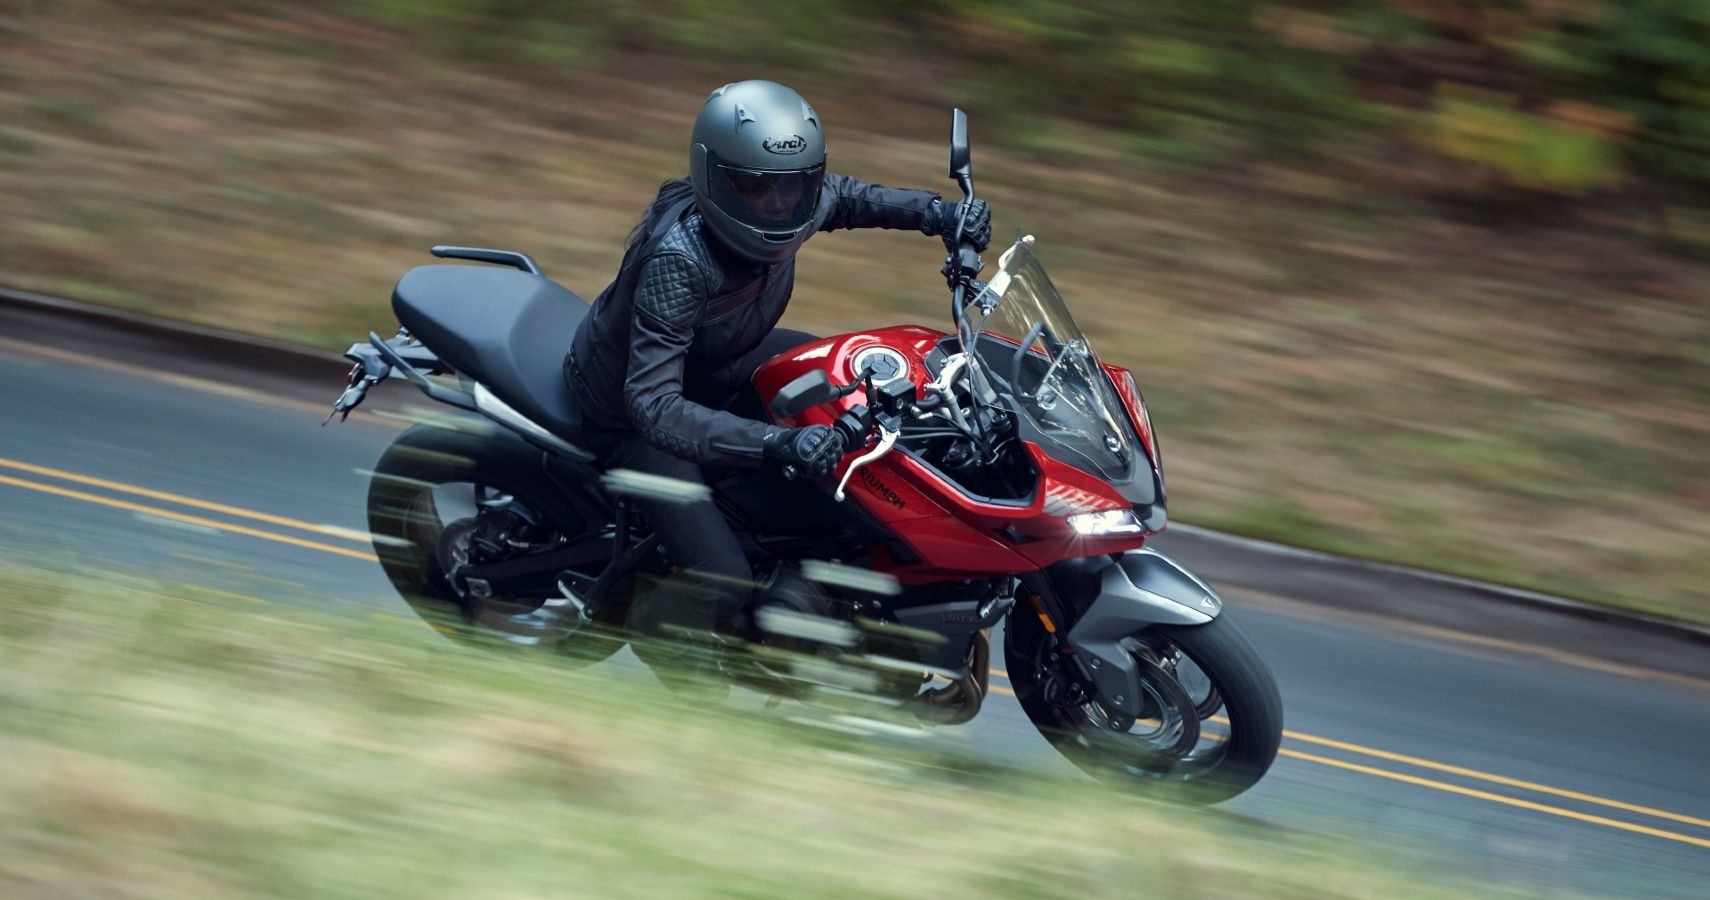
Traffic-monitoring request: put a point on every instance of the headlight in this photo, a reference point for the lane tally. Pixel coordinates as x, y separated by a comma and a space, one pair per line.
1110, 521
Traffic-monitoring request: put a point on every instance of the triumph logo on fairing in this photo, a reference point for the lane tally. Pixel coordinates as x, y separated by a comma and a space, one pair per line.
878, 487
784, 143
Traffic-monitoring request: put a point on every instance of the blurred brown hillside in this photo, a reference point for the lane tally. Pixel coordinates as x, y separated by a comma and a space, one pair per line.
1413, 280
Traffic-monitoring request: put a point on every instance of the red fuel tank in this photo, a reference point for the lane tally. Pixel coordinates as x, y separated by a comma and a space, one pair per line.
943, 532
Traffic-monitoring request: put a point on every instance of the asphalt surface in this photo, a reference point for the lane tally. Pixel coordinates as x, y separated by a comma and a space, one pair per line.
1518, 764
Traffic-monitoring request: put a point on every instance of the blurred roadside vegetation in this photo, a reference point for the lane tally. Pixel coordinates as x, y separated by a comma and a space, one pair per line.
1417, 280
183, 748
1556, 96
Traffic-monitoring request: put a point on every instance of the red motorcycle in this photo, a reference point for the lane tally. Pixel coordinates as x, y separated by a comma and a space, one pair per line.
999, 476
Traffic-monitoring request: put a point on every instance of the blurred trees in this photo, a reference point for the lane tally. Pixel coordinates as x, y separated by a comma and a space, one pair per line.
1555, 96
1245, 197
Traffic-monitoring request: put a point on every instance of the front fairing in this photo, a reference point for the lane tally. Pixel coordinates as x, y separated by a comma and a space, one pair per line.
1039, 365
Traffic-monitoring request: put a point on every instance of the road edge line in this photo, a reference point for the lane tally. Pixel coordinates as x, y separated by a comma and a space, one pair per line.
1497, 593
293, 360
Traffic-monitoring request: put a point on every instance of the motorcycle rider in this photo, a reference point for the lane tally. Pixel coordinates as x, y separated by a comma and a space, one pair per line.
667, 348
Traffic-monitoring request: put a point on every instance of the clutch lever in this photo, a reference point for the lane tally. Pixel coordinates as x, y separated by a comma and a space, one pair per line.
888, 433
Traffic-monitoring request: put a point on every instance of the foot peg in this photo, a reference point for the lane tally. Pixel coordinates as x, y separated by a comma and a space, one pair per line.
568, 597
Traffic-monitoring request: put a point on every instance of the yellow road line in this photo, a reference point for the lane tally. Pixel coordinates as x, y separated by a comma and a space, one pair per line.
1494, 798
1497, 779
997, 689
181, 517
1462, 771
1471, 792
240, 512
1487, 776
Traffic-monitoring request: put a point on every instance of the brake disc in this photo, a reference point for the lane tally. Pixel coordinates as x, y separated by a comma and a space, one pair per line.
1170, 732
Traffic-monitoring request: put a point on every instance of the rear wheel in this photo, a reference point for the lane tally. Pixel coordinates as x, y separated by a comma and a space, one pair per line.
1210, 721
444, 498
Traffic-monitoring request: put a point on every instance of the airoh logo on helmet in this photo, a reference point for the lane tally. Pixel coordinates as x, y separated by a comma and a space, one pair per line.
784, 143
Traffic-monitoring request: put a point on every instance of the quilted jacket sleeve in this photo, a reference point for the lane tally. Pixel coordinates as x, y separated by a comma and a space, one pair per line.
859, 204
669, 298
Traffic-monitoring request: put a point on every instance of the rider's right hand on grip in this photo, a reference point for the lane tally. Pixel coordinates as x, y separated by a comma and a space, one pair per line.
804, 452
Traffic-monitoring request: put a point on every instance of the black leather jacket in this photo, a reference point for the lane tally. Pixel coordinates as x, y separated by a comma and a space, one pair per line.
656, 354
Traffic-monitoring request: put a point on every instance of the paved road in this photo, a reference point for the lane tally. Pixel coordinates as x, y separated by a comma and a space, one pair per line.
1505, 763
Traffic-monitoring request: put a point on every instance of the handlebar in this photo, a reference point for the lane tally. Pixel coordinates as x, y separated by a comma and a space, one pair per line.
962, 265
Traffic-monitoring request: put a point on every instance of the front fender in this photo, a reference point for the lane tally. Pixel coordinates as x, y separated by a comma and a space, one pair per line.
1138, 589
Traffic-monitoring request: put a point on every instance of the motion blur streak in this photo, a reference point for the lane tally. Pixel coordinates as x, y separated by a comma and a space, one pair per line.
181, 517
1494, 798
217, 594
996, 689
411, 621
180, 499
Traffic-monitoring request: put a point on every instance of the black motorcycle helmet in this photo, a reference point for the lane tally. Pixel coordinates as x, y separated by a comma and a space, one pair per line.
757, 160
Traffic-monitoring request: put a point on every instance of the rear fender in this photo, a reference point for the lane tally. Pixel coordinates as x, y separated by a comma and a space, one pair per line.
1136, 590
567, 489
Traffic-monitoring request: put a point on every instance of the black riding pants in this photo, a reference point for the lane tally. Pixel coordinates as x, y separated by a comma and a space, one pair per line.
696, 536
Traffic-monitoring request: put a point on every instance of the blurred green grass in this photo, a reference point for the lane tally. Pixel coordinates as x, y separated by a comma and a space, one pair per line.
168, 742
1356, 330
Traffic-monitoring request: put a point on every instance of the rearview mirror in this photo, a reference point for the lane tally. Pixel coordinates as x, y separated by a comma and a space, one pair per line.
804, 393
960, 168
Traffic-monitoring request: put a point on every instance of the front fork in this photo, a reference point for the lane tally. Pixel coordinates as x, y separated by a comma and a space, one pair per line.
1115, 599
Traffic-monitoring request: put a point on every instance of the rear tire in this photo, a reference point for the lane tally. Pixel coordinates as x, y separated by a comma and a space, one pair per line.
1219, 769
407, 530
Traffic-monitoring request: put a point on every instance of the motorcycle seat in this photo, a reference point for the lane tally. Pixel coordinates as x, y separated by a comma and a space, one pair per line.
505, 328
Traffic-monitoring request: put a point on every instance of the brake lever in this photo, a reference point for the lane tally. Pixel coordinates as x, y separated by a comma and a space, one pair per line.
887, 440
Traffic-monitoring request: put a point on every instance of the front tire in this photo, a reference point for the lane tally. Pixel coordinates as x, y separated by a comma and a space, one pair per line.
1217, 679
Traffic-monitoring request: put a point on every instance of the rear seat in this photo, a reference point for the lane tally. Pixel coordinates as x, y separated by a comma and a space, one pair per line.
504, 328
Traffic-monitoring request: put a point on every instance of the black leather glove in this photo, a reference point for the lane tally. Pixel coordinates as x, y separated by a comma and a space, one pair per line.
810, 451
941, 218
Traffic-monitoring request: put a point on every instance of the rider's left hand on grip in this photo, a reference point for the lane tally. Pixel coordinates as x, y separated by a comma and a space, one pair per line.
808, 451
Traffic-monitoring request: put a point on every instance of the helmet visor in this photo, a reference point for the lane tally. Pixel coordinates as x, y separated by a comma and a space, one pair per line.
769, 201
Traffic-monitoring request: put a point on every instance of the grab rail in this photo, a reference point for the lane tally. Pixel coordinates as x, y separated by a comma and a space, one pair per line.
479, 254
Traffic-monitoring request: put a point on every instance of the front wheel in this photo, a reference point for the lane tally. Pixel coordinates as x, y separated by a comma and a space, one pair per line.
1211, 719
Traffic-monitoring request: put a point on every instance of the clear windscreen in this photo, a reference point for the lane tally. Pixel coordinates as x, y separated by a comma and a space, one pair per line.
1028, 348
